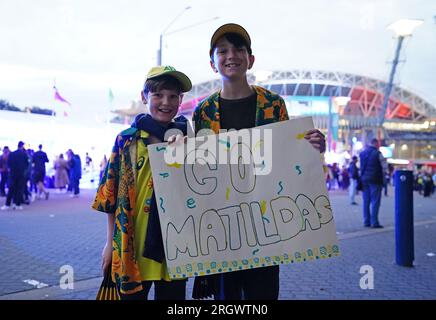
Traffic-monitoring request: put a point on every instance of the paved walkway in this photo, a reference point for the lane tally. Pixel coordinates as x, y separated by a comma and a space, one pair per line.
47, 235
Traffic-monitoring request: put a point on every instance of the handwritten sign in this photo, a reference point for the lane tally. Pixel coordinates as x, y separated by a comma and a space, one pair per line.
221, 216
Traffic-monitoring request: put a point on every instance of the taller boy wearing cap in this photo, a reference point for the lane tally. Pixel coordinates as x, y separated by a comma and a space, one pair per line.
239, 105
134, 247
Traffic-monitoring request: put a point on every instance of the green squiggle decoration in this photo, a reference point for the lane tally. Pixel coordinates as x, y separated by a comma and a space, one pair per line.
161, 204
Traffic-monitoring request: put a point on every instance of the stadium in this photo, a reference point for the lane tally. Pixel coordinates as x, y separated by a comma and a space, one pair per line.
349, 105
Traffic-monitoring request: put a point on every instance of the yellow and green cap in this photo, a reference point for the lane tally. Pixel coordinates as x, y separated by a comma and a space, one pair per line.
171, 72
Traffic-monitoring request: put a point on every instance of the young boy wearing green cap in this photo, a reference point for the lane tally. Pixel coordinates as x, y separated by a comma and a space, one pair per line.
134, 249
239, 105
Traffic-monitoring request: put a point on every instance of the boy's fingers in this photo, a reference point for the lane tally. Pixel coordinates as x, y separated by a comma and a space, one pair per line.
174, 138
171, 139
314, 132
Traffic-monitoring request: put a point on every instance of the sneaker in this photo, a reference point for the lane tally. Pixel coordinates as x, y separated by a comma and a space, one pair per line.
46, 195
354, 203
377, 226
367, 225
18, 208
5, 207
74, 195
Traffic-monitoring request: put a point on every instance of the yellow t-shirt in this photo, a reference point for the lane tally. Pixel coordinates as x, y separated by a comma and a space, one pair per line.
149, 269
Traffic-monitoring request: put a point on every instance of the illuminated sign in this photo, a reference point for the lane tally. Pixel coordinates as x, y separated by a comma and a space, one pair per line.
306, 105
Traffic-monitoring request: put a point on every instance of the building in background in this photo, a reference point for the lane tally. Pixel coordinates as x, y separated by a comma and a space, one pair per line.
350, 106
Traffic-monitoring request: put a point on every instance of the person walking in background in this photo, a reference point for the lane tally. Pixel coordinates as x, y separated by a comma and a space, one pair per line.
18, 163
61, 173
4, 171
372, 167
353, 172
103, 164
345, 178
39, 160
75, 165
29, 185
427, 184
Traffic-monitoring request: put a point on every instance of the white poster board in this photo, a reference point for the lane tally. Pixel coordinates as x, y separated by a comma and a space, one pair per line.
222, 217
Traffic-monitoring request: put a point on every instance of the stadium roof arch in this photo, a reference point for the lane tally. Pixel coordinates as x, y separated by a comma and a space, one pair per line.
366, 94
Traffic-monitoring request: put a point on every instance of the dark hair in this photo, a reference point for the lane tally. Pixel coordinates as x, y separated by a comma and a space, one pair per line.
162, 82
20, 144
354, 158
374, 141
40, 146
234, 39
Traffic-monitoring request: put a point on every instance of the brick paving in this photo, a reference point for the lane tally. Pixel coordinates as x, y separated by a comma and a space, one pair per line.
36, 242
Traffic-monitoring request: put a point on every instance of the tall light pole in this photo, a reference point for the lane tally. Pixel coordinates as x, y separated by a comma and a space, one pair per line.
402, 28
164, 33
159, 52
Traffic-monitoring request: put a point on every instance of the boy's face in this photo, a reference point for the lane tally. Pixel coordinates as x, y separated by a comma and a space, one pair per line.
163, 104
229, 61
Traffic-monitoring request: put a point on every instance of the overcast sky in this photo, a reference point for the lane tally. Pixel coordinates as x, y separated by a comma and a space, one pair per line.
91, 46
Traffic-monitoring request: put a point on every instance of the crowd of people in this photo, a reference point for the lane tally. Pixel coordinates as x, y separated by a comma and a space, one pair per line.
372, 175
24, 178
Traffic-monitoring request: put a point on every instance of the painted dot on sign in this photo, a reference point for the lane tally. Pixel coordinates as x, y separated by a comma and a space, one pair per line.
175, 165
164, 174
263, 207
300, 136
224, 142
161, 204
298, 169
190, 203
281, 187
257, 145
209, 226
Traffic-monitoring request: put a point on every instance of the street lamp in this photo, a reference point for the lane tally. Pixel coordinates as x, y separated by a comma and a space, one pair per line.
159, 53
402, 28
164, 33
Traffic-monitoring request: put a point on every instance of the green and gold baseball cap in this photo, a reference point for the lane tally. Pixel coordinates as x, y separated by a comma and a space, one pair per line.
171, 72
229, 28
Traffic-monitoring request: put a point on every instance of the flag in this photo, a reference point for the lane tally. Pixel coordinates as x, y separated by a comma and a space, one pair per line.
111, 96
57, 96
